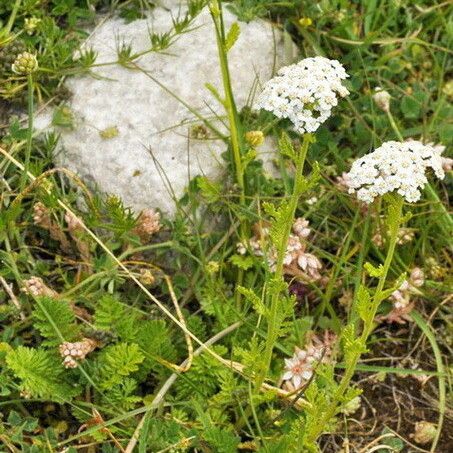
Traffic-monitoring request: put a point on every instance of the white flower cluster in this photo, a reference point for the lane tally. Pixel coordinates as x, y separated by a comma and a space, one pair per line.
394, 166
305, 92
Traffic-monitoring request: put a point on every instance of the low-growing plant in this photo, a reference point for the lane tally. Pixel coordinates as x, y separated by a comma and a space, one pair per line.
262, 331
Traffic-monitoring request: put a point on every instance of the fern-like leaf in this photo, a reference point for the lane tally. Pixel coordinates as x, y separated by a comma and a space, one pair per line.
119, 361
55, 321
40, 373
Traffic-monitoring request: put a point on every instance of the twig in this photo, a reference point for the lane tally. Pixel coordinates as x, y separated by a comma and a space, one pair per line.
13, 297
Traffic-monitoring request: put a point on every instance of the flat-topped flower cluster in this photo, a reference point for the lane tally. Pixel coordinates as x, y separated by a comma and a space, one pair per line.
305, 92
394, 166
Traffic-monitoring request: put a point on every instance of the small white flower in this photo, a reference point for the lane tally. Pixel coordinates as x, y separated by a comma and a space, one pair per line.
305, 92
300, 367
394, 166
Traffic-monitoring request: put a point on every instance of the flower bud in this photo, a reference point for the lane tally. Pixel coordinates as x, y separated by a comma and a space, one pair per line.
254, 138
30, 24
25, 63
447, 163
212, 267
382, 99
417, 277
424, 432
305, 22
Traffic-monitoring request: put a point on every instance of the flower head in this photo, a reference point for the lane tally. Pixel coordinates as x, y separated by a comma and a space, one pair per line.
300, 367
148, 223
72, 352
394, 166
254, 138
305, 92
25, 63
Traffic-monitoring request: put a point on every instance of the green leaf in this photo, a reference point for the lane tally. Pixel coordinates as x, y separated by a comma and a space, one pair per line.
221, 440
257, 303
374, 271
410, 107
40, 373
363, 304
285, 146
119, 361
210, 190
232, 36
55, 321
243, 262
114, 316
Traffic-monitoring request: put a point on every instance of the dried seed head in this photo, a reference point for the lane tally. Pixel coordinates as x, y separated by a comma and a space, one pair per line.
41, 215
342, 182
346, 298
254, 138
73, 222
36, 287
147, 277
382, 99
25, 63
148, 223
72, 352
447, 163
405, 235
300, 227
417, 277
300, 367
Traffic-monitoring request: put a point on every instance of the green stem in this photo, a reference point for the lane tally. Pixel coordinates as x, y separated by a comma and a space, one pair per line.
230, 104
394, 220
234, 125
273, 327
12, 17
23, 179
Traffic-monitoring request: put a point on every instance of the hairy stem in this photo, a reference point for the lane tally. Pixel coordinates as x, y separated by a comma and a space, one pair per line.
273, 326
234, 123
394, 220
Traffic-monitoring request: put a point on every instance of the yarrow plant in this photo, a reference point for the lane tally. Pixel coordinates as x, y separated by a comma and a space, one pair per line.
395, 171
305, 92
394, 166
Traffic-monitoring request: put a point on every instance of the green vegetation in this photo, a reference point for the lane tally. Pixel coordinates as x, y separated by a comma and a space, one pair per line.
116, 336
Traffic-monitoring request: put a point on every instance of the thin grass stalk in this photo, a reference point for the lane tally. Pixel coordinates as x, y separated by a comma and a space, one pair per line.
23, 179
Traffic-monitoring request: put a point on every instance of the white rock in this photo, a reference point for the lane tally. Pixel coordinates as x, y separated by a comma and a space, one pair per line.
150, 120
